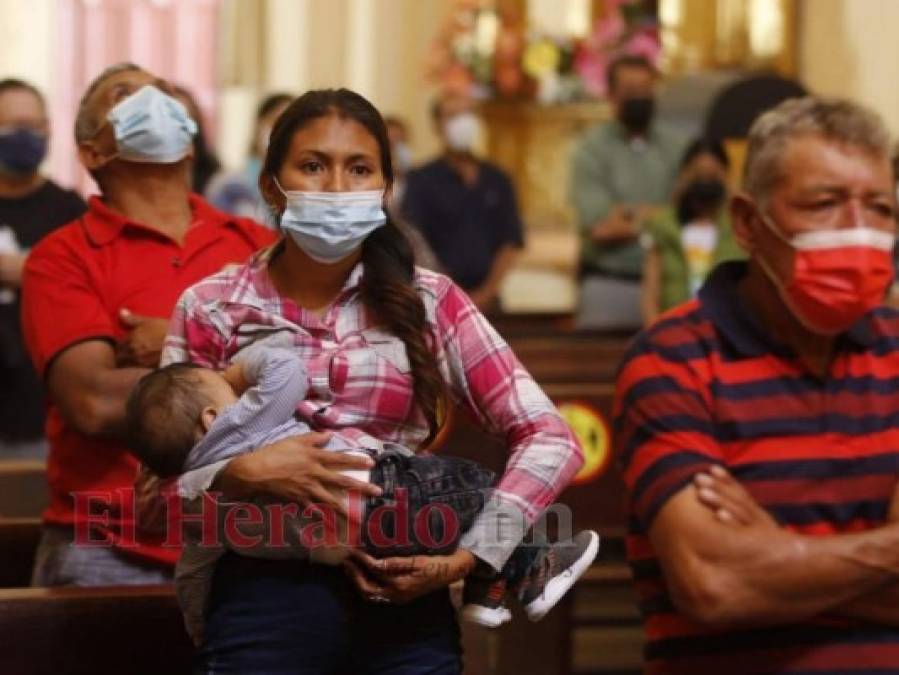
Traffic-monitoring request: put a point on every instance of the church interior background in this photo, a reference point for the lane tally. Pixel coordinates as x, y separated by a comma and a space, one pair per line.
537, 69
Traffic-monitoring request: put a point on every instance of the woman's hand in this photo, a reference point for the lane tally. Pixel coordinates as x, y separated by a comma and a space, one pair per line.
295, 469
400, 580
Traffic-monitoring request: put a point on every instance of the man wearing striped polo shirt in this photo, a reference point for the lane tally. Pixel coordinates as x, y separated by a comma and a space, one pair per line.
758, 425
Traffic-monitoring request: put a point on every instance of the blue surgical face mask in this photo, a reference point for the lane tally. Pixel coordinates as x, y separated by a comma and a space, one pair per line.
153, 127
329, 226
21, 151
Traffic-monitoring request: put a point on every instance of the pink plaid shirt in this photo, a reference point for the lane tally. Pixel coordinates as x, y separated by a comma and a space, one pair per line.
360, 381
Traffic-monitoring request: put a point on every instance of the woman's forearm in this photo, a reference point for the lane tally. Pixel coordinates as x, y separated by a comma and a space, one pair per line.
294, 469
238, 479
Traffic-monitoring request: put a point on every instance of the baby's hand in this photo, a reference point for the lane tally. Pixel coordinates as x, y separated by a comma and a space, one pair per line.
234, 376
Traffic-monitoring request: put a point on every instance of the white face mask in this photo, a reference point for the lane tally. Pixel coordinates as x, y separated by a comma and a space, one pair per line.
402, 157
462, 131
151, 126
329, 226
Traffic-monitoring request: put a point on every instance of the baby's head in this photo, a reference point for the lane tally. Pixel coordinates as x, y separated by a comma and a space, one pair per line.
172, 408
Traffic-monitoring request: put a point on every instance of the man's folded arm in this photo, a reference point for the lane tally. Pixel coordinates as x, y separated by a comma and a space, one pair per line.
89, 389
722, 575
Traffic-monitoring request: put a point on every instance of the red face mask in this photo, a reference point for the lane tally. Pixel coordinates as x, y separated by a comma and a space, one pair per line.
838, 276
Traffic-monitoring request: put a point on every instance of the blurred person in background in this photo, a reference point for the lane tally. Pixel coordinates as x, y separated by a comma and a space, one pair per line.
465, 206
97, 297
237, 192
685, 241
398, 133
622, 172
206, 163
399, 136
31, 206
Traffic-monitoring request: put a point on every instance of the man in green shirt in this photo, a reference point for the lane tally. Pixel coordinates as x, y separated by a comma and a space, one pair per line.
622, 171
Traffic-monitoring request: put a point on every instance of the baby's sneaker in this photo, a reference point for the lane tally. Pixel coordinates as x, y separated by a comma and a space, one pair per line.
483, 602
555, 572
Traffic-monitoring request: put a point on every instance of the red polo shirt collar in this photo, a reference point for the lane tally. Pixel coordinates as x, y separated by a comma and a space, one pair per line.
103, 224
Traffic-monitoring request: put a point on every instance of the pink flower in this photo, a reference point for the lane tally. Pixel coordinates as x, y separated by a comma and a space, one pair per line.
645, 44
591, 66
609, 29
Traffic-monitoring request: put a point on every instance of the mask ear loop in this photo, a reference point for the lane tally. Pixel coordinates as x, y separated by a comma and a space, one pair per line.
278, 185
93, 137
768, 222
272, 209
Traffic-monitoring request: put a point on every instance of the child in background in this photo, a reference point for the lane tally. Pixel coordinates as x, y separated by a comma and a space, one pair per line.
685, 241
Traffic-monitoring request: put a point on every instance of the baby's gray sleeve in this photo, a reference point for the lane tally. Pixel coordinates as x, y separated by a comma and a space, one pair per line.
279, 384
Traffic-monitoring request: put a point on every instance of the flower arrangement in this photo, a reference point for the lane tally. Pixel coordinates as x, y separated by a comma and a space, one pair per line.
484, 50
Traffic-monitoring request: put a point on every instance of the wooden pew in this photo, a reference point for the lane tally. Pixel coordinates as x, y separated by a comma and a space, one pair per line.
18, 542
93, 631
576, 638
604, 627
23, 488
596, 505
574, 341
581, 356
512, 326
596, 630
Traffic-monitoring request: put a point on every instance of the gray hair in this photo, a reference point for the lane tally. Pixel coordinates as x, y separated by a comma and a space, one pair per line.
86, 127
835, 119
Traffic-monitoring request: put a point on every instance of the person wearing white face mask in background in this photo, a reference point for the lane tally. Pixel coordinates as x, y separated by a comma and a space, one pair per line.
96, 296
31, 206
398, 134
465, 206
237, 192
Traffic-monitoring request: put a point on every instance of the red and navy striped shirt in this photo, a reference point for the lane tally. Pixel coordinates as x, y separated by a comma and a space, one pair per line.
706, 384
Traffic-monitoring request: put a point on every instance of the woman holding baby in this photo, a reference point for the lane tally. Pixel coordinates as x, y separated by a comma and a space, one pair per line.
388, 347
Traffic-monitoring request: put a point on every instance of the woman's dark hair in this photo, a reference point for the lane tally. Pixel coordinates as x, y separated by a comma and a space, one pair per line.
705, 146
387, 287
271, 102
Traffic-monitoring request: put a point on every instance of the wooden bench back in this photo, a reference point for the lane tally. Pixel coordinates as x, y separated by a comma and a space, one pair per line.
23, 488
93, 631
18, 542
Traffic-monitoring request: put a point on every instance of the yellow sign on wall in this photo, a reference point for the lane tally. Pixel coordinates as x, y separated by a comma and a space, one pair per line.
593, 433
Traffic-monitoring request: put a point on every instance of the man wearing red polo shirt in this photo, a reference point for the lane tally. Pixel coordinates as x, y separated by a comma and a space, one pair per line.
97, 295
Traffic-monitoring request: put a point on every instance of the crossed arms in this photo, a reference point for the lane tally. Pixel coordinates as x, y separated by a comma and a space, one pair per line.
727, 562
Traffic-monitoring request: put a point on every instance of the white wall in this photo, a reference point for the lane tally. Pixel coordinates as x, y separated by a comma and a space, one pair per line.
27, 50
376, 47
850, 48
